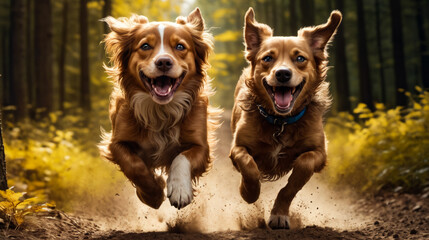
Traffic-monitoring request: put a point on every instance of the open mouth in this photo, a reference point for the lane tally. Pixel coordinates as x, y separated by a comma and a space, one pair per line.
162, 87
282, 96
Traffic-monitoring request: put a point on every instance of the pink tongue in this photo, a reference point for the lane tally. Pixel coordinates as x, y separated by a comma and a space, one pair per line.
283, 97
162, 86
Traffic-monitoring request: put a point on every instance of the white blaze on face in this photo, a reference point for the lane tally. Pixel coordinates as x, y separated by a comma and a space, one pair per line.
161, 28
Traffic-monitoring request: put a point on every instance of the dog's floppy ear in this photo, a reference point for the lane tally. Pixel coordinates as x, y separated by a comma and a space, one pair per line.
195, 19
254, 34
118, 42
124, 25
318, 37
202, 39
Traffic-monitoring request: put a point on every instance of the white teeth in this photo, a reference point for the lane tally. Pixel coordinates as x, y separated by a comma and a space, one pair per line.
293, 90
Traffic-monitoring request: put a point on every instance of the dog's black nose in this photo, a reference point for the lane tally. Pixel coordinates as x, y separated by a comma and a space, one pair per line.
164, 63
283, 75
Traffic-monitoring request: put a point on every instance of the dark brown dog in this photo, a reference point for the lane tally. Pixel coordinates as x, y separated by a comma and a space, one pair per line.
280, 100
159, 108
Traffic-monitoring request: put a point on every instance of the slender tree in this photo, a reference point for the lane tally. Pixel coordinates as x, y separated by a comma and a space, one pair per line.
107, 11
282, 19
293, 23
85, 102
379, 50
18, 58
265, 12
424, 49
363, 62
2, 65
398, 51
341, 72
3, 179
307, 12
43, 55
275, 12
62, 60
5, 80
30, 54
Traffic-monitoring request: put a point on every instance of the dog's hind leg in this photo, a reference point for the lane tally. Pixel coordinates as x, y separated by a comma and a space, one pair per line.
304, 167
150, 189
250, 186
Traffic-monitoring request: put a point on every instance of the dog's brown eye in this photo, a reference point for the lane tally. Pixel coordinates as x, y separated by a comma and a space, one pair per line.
180, 47
146, 47
267, 59
300, 59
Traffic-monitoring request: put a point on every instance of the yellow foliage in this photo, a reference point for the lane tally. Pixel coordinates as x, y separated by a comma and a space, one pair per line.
96, 5
228, 36
13, 207
418, 89
381, 149
228, 57
221, 13
58, 163
165, 10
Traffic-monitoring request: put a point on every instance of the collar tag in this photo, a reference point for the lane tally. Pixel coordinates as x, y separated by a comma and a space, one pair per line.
280, 121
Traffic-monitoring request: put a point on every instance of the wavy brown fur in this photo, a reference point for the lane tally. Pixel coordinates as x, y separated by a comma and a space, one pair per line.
262, 151
148, 134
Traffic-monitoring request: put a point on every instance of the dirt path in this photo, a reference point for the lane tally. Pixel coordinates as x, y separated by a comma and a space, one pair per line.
218, 212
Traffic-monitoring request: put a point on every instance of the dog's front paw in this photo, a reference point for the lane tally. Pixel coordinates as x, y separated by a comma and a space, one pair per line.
153, 199
250, 190
279, 222
179, 184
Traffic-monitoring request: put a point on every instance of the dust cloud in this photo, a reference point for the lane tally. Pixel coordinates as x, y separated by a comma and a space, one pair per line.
218, 205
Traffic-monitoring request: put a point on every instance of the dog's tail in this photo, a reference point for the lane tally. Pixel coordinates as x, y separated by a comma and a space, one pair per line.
103, 146
214, 116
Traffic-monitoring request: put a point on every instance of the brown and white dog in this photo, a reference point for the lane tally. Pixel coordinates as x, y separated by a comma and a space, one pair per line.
280, 101
159, 109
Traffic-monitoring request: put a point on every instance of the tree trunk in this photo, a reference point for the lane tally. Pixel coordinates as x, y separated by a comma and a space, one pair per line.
363, 63
424, 50
30, 56
85, 103
267, 13
18, 56
107, 11
293, 23
5, 80
274, 11
62, 60
379, 50
282, 18
2, 65
3, 179
398, 51
341, 72
307, 12
43, 55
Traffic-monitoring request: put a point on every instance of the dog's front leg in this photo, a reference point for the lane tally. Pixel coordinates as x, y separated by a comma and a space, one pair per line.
150, 190
304, 167
250, 186
185, 166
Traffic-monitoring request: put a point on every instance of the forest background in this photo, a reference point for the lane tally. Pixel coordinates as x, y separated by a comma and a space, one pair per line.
54, 92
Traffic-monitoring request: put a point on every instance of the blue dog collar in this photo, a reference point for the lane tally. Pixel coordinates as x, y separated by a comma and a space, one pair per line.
280, 121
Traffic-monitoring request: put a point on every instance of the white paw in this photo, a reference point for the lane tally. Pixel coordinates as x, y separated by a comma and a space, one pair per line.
179, 184
279, 222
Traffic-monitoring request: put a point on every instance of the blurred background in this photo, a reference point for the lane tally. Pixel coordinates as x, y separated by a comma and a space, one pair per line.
54, 92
